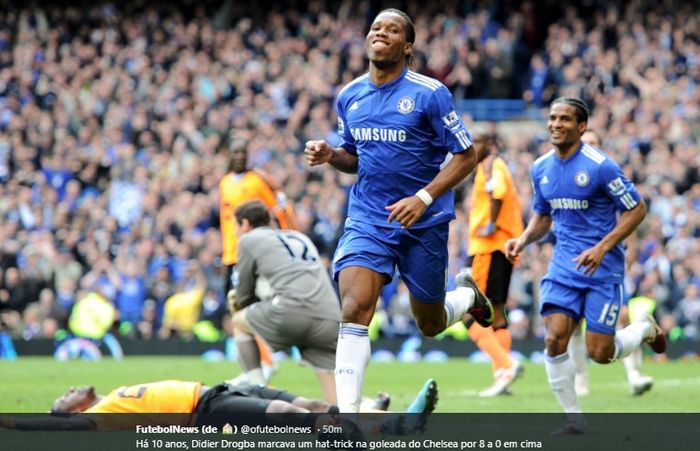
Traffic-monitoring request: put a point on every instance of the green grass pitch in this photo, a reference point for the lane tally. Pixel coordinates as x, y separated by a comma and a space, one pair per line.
30, 384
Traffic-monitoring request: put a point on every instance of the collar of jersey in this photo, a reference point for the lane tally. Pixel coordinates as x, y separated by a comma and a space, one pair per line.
570, 157
392, 83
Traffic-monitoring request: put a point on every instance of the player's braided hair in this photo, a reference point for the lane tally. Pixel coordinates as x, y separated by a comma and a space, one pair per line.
581, 107
410, 30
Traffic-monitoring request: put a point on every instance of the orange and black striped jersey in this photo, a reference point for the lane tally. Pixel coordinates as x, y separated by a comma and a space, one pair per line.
493, 180
236, 189
144, 404
169, 396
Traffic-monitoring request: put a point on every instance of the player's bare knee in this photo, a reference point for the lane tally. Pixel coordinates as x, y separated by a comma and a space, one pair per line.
355, 311
555, 344
430, 328
238, 322
601, 354
277, 406
312, 405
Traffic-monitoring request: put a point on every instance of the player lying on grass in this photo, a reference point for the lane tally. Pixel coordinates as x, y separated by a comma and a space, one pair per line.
187, 398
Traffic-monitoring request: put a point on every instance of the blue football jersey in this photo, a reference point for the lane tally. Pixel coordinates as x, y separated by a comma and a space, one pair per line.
401, 132
582, 194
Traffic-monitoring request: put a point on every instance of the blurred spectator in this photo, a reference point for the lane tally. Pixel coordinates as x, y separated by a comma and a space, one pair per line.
181, 311
149, 325
52, 316
688, 312
539, 90
102, 276
519, 324
66, 269
160, 288
93, 315
131, 291
16, 292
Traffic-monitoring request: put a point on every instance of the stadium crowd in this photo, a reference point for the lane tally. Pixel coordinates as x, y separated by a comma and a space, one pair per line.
115, 123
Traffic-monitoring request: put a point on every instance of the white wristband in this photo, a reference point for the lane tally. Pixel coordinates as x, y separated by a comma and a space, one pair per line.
425, 197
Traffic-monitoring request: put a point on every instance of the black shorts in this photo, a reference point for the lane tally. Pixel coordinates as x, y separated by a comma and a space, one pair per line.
242, 398
492, 272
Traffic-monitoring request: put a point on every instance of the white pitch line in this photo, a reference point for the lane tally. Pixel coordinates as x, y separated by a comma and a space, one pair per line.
658, 382
677, 382
463, 393
622, 384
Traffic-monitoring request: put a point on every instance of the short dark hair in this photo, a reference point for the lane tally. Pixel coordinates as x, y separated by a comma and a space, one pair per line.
483, 136
581, 107
237, 144
410, 30
596, 134
255, 212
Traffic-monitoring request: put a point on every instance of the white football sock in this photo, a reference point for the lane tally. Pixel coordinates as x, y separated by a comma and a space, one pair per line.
578, 352
255, 376
560, 373
351, 359
457, 303
633, 364
631, 337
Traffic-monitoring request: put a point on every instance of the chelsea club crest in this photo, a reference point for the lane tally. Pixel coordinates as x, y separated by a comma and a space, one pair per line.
405, 105
582, 178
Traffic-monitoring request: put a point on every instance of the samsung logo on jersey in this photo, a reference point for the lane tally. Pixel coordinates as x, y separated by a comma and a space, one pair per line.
378, 134
564, 203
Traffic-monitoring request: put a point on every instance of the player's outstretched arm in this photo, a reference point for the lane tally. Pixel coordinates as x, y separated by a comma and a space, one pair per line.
537, 228
318, 152
629, 220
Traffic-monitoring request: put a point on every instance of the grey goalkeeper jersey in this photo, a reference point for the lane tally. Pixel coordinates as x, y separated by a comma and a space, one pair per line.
291, 264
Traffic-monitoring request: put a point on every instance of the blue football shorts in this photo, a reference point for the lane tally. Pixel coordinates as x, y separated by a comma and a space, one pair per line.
599, 303
419, 254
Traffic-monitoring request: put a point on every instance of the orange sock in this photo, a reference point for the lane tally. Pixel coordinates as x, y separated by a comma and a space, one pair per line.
485, 339
265, 354
503, 336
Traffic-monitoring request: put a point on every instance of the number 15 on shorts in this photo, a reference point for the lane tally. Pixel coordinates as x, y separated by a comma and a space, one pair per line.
609, 313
